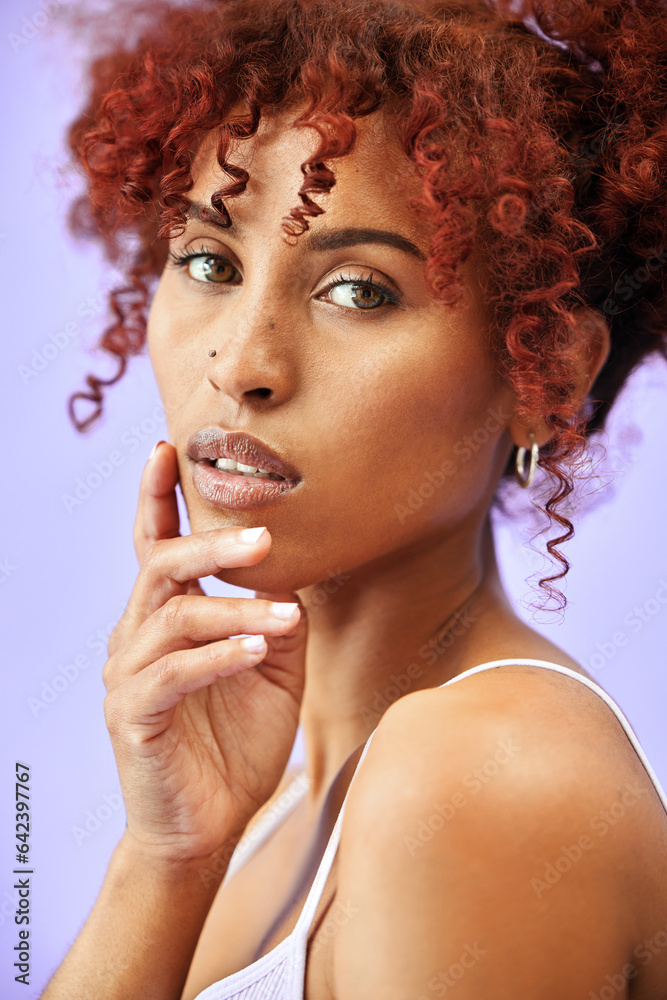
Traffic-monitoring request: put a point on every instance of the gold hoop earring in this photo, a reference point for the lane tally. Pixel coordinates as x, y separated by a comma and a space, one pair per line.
520, 472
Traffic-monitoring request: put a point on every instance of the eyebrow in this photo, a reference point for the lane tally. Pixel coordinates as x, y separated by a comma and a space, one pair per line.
334, 239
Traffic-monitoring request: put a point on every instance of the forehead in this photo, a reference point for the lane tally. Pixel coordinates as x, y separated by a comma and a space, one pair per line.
373, 182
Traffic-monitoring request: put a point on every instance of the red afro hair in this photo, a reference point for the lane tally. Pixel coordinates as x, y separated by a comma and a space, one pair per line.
538, 128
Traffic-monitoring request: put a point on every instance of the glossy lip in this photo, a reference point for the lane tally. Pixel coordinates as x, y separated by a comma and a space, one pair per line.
212, 443
229, 490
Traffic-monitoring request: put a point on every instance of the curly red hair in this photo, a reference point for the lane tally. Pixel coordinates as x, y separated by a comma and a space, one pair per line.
556, 111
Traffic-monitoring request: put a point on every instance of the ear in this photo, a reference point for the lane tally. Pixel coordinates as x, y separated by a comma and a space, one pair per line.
589, 351
591, 348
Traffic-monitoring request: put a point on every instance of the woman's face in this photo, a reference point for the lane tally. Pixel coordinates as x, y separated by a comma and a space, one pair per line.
385, 402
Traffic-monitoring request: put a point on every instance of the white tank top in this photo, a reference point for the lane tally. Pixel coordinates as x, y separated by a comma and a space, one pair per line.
280, 974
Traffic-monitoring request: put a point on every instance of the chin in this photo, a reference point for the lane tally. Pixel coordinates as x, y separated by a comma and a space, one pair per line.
207, 521
257, 577
279, 578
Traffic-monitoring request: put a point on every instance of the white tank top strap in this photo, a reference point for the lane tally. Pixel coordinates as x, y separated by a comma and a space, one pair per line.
308, 912
281, 972
302, 926
265, 826
589, 684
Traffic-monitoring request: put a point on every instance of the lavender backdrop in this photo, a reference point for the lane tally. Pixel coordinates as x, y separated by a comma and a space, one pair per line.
66, 570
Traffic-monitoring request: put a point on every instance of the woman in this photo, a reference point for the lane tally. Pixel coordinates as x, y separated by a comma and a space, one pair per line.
349, 377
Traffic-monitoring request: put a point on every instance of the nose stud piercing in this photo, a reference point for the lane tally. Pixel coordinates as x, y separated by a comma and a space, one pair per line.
212, 354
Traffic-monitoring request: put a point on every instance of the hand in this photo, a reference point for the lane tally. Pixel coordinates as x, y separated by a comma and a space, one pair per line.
201, 728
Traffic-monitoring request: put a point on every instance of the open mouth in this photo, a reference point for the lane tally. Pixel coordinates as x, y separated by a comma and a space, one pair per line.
241, 487
235, 468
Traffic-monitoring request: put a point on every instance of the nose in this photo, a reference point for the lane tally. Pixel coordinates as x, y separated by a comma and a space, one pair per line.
252, 360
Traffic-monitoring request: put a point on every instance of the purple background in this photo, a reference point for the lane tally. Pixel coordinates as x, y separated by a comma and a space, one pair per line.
66, 574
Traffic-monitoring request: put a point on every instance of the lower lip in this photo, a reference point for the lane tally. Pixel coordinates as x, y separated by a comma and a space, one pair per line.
224, 489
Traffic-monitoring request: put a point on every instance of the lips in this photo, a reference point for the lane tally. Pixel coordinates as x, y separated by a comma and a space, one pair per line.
212, 443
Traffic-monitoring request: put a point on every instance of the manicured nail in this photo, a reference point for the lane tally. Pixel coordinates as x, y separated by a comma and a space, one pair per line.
254, 643
251, 535
154, 449
283, 610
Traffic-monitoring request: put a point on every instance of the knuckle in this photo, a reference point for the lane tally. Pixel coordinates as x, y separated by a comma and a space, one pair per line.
249, 609
213, 652
109, 671
165, 670
174, 612
235, 610
113, 713
115, 639
113, 646
153, 555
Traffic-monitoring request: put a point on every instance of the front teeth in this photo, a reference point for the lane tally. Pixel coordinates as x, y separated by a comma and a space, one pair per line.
231, 465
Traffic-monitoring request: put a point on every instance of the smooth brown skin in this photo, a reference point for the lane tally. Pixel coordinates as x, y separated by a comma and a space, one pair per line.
364, 404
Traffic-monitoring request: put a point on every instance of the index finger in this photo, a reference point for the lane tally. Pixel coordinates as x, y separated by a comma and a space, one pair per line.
157, 511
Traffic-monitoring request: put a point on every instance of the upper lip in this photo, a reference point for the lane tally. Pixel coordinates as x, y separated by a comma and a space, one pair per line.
214, 442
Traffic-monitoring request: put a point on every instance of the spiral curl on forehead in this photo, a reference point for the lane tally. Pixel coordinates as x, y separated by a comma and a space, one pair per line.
537, 129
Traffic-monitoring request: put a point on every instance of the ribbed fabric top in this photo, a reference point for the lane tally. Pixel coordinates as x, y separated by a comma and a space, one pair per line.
280, 974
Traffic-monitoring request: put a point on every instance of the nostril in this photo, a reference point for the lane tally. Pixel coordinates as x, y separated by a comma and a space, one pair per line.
264, 392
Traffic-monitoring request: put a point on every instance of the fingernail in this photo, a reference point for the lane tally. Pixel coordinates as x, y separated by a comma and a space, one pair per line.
253, 643
154, 449
283, 610
251, 535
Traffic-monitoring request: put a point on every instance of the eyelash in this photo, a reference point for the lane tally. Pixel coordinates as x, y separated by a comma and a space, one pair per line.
182, 260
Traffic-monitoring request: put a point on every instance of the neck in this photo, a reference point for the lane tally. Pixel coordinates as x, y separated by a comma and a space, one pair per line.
406, 622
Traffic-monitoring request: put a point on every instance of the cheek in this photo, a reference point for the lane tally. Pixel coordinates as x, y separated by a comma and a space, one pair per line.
174, 360
418, 404
404, 426
157, 333
446, 441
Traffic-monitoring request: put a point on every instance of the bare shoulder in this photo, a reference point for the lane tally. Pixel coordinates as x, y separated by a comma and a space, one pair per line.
536, 730
496, 825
